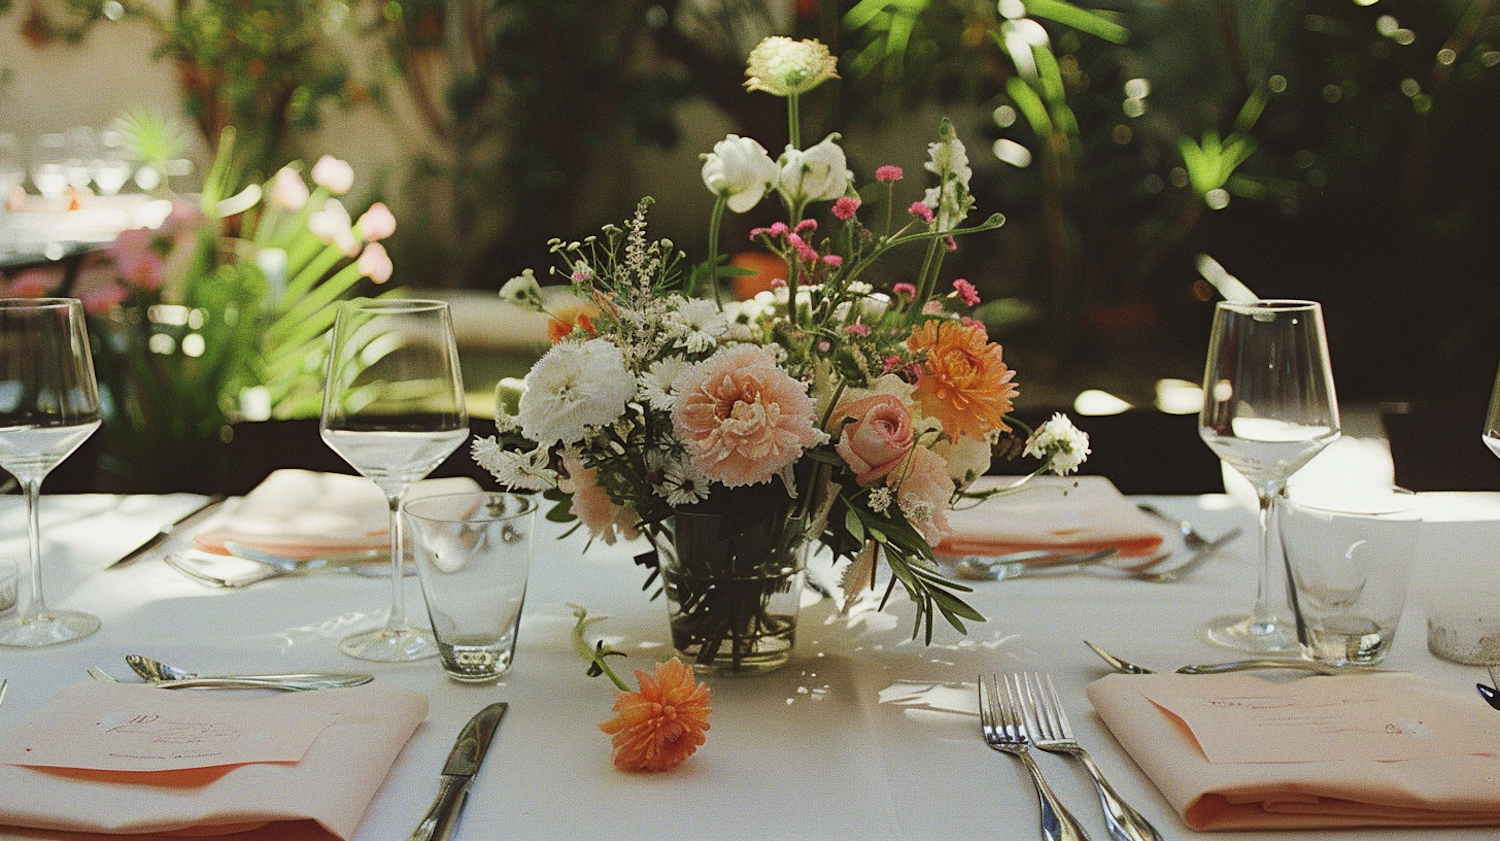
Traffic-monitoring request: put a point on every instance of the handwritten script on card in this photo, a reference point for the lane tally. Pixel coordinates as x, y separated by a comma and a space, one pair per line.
1382, 718
105, 727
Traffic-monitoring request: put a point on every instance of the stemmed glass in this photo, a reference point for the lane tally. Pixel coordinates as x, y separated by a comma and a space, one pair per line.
1492, 420
393, 407
1268, 408
49, 404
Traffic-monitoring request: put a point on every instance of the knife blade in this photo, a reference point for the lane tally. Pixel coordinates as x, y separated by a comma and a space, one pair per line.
166, 531
463, 763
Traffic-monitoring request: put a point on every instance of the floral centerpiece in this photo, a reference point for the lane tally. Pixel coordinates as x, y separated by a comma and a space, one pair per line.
735, 435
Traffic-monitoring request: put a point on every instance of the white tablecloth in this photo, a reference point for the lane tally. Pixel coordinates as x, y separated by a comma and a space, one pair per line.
857, 738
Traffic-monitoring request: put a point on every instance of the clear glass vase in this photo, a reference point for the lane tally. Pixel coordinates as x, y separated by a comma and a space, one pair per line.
733, 589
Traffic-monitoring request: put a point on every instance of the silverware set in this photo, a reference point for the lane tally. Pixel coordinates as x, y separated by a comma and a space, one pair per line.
1020, 711
210, 569
1126, 667
157, 673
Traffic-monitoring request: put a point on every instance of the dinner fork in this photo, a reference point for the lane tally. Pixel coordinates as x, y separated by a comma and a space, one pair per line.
1004, 728
1054, 733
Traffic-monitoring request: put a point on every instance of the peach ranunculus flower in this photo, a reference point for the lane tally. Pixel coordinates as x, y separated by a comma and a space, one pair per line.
660, 726
591, 503
742, 418
877, 435
963, 382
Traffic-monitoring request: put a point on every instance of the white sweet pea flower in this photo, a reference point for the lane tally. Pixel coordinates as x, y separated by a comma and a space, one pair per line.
740, 170
374, 263
576, 387
1059, 440
817, 174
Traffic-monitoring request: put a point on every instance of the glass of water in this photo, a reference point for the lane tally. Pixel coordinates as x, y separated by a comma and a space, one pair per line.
1350, 551
473, 553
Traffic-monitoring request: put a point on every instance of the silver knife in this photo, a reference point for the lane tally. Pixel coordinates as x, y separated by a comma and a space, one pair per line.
167, 530
463, 764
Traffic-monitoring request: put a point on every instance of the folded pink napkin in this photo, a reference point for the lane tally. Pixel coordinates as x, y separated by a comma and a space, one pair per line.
1079, 513
323, 794
1371, 750
303, 514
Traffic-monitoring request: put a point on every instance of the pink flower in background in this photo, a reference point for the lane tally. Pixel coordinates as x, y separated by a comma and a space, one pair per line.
288, 190
331, 226
904, 290
742, 418
332, 174
377, 223
374, 263
137, 259
104, 298
877, 436
921, 211
889, 173
603, 518
33, 283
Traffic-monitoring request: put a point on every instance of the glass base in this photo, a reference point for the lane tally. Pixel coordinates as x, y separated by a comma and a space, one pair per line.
1244, 633
391, 646
51, 628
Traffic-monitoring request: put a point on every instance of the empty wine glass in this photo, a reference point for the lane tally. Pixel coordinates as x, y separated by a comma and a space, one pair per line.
49, 173
393, 407
49, 404
1268, 408
111, 166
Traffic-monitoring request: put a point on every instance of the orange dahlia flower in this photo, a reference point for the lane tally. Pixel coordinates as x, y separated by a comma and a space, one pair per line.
963, 382
660, 726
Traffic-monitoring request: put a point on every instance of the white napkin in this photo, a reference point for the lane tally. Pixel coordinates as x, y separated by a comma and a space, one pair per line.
304, 514
323, 795
1078, 513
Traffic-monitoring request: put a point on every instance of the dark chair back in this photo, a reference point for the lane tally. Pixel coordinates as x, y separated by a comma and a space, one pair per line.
1140, 450
1437, 446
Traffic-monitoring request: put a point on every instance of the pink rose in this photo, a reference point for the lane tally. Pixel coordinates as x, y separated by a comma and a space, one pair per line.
742, 418
877, 437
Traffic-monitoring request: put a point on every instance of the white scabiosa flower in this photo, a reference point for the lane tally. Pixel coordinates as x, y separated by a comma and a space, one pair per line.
739, 170
1059, 440
574, 388
523, 290
786, 67
524, 471
817, 174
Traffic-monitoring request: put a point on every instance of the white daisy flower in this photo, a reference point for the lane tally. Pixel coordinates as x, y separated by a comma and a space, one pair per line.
527, 471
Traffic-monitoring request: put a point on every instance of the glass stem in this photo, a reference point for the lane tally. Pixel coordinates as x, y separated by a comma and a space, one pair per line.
397, 620
1271, 593
36, 606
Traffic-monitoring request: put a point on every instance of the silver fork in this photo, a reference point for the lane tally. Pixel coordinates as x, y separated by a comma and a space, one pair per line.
1004, 728
1054, 733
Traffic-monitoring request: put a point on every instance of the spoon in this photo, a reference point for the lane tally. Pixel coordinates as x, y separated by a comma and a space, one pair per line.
155, 671
1017, 564
344, 561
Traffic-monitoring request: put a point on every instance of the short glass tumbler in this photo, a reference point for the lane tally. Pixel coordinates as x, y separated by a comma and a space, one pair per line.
1350, 551
473, 555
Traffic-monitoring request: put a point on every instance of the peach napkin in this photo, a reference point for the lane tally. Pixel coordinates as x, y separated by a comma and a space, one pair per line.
322, 795
1352, 780
1077, 513
304, 514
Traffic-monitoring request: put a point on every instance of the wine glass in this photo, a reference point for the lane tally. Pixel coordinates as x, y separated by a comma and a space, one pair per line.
393, 407
48, 165
49, 404
1491, 435
1268, 408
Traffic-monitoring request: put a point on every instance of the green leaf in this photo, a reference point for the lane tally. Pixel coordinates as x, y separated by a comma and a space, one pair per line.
1030, 105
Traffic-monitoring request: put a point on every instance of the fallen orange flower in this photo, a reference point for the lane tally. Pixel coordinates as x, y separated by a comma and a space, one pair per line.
660, 726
